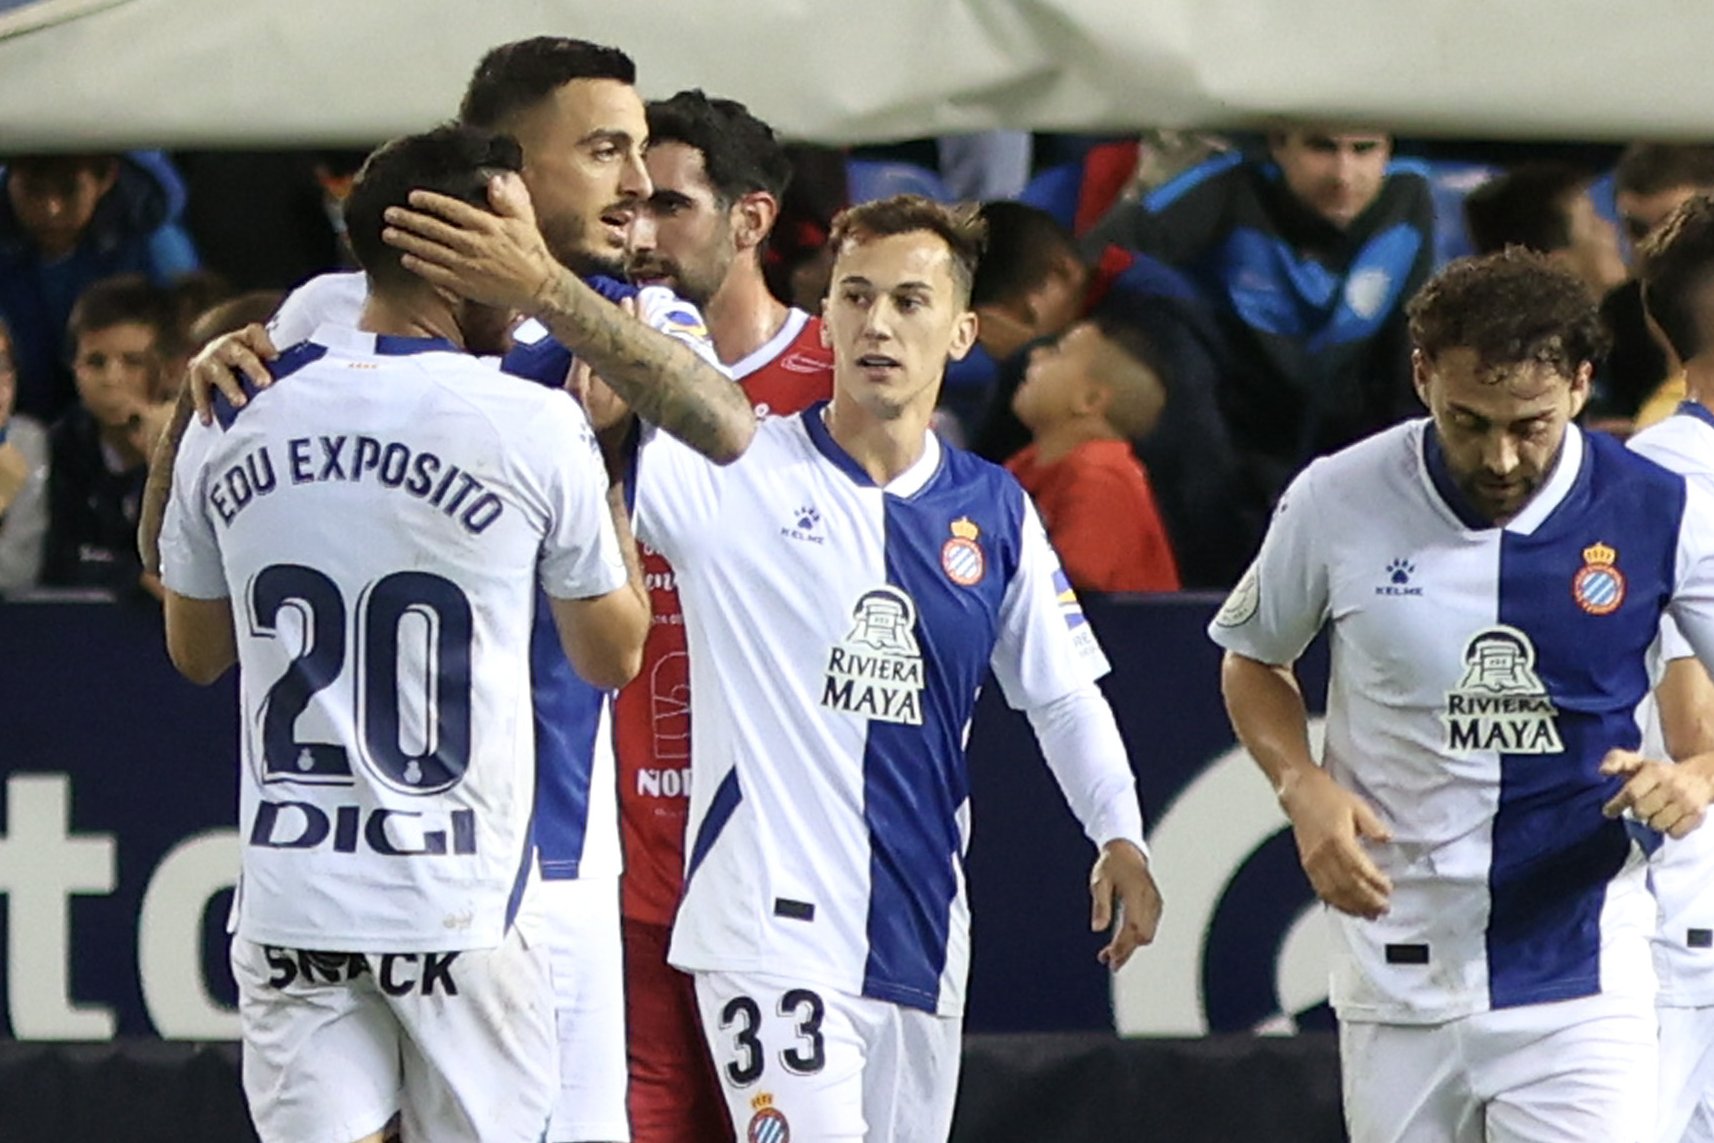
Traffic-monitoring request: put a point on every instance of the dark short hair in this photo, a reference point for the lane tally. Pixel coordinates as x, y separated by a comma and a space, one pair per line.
126, 299
1649, 168
1024, 244
1675, 265
453, 160
1512, 308
960, 227
739, 151
61, 166
1528, 207
517, 76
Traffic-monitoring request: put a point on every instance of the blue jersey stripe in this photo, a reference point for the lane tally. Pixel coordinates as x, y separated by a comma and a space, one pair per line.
288, 362
1174, 189
915, 777
727, 797
1553, 851
567, 719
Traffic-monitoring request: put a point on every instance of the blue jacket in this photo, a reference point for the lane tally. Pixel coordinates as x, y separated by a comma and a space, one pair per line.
135, 230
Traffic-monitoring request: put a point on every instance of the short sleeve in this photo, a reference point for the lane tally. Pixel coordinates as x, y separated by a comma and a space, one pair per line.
580, 556
1046, 647
1282, 600
677, 494
190, 550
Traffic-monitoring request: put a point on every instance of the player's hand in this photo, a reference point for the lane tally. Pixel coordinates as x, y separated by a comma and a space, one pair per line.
497, 258
1121, 875
1665, 796
217, 365
1330, 824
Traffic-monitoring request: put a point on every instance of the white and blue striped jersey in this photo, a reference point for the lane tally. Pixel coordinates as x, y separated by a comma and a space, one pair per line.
839, 633
1682, 872
1479, 676
577, 815
382, 521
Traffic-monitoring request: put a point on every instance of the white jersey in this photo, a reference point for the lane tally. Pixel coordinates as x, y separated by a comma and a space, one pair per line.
577, 824
1682, 873
380, 524
1479, 676
839, 633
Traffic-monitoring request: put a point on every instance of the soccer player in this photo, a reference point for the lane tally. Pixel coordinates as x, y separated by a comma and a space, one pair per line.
848, 583
366, 542
574, 109
1676, 269
718, 175
1493, 579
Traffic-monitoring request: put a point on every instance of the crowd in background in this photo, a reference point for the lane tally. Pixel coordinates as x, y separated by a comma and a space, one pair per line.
1171, 327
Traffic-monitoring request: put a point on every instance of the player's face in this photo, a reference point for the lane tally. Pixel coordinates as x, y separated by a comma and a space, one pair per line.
682, 238
893, 318
1335, 175
1056, 383
1501, 429
116, 370
583, 165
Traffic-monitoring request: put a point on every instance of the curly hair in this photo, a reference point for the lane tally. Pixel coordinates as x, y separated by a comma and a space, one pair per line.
1512, 308
1675, 265
960, 227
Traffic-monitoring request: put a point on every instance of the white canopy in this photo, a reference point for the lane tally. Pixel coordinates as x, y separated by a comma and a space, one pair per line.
77, 73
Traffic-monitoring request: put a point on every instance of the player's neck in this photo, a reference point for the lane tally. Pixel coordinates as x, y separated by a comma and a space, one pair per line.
422, 315
742, 315
1057, 441
882, 447
1699, 381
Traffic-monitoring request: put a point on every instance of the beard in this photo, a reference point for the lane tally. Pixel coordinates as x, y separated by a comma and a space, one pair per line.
567, 242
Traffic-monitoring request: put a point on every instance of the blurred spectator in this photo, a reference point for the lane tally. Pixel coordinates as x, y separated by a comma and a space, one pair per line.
1084, 398
233, 314
1651, 180
1307, 257
798, 265
1033, 284
120, 329
23, 483
190, 295
67, 221
1545, 207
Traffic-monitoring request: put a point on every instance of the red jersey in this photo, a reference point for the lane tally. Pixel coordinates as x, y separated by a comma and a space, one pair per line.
652, 715
1099, 510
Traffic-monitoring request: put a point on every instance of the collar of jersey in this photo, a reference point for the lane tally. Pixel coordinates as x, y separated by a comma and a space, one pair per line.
349, 340
1698, 410
1566, 472
907, 483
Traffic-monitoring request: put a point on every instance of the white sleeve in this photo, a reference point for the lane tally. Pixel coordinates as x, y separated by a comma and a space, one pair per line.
330, 299
190, 552
580, 556
1081, 742
676, 494
1282, 600
1046, 648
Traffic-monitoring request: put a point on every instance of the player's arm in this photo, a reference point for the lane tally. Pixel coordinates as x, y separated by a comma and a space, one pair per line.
200, 639
603, 635
500, 259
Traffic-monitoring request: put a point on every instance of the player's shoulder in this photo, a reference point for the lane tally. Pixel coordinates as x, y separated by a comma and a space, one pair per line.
336, 298
1615, 462
1683, 442
1377, 468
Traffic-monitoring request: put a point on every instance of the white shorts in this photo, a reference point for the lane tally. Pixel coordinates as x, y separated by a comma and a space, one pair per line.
462, 1044
1568, 1072
581, 920
810, 1065
1686, 1075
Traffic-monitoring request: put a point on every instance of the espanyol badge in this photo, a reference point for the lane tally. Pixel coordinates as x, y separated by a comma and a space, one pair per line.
1599, 587
961, 557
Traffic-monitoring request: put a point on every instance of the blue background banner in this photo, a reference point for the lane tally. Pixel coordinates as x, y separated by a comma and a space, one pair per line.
117, 847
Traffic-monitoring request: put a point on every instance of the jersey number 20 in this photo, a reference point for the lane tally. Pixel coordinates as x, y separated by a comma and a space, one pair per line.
439, 605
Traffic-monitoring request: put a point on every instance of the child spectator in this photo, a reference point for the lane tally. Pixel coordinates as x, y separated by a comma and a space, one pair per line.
23, 483
1084, 398
121, 330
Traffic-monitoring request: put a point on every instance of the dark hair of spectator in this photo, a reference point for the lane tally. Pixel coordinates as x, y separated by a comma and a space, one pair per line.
516, 77
453, 160
1024, 245
233, 314
127, 299
1529, 207
64, 167
739, 151
960, 227
1675, 265
1129, 409
1512, 308
1650, 168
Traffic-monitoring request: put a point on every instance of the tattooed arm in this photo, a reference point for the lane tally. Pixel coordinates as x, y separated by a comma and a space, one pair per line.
160, 484
500, 259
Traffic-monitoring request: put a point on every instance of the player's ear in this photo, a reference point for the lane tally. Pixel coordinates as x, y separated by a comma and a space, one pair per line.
1580, 383
963, 335
753, 218
1419, 372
